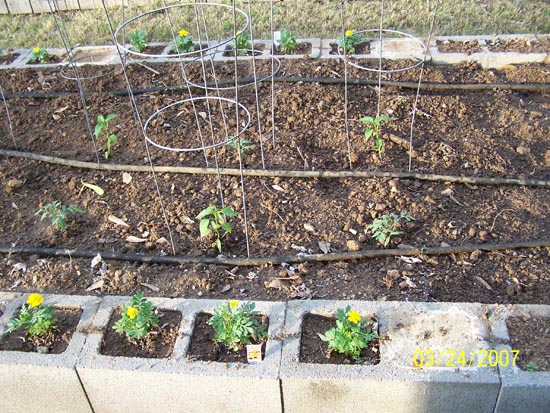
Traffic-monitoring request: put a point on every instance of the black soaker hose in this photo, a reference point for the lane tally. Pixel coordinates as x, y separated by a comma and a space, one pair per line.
279, 173
528, 87
289, 259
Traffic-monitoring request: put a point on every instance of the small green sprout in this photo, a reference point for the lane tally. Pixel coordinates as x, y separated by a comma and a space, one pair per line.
288, 41
39, 55
215, 220
138, 318
138, 40
386, 227
183, 43
373, 129
349, 41
240, 145
102, 129
37, 319
532, 366
236, 324
351, 335
58, 213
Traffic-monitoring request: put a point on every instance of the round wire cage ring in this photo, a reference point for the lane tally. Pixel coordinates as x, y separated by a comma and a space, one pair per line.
178, 124
88, 61
127, 49
415, 56
213, 82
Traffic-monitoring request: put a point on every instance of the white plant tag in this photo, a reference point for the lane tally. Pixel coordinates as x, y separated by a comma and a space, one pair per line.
254, 353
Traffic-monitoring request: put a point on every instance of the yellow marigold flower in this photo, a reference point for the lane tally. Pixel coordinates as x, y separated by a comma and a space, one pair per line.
36, 49
183, 33
349, 32
35, 300
233, 303
132, 312
354, 317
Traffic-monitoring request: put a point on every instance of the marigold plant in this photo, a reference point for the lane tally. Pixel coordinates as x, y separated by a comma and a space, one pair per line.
183, 43
138, 318
236, 324
351, 335
36, 318
348, 42
39, 55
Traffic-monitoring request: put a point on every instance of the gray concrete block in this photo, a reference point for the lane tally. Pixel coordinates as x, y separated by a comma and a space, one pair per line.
46, 382
122, 384
394, 385
521, 390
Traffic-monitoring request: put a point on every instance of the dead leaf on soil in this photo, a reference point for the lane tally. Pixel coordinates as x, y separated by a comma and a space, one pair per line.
98, 284
131, 238
483, 282
151, 287
18, 267
407, 283
324, 246
450, 193
126, 178
162, 240
410, 260
117, 221
97, 259
309, 227
226, 288
277, 188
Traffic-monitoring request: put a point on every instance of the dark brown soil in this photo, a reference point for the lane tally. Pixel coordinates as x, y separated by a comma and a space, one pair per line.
158, 344
540, 44
203, 348
490, 133
7, 57
51, 59
315, 350
56, 343
531, 336
454, 46
301, 48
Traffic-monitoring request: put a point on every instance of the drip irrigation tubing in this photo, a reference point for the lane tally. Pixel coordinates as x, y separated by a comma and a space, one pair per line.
289, 259
279, 173
526, 87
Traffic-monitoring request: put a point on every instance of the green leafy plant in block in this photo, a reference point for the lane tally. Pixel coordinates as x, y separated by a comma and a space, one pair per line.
288, 41
242, 43
39, 55
351, 335
236, 324
183, 43
138, 40
138, 318
348, 42
215, 220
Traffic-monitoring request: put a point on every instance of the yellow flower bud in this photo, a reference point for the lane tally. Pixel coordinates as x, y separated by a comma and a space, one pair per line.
132, 312
183, 33
349, 32
36, 49
35, 300
233, 303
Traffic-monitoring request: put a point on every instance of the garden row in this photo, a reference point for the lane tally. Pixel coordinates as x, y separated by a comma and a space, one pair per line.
488, 51
432, 357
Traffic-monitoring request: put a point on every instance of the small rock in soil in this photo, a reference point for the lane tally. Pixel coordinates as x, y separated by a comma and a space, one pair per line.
353, 245
522, 150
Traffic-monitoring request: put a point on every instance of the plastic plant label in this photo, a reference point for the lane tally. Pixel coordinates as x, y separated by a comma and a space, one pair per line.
254, 353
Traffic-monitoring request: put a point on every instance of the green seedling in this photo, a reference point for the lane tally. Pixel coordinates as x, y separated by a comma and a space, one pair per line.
532, 366
215, 220
102, 129
97, 189
138, 318
384, 228
288, 41
240, 145
351, 335
236, 324
349, 41
58, 213
183, 43
138, 40
39, 55
373, 129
